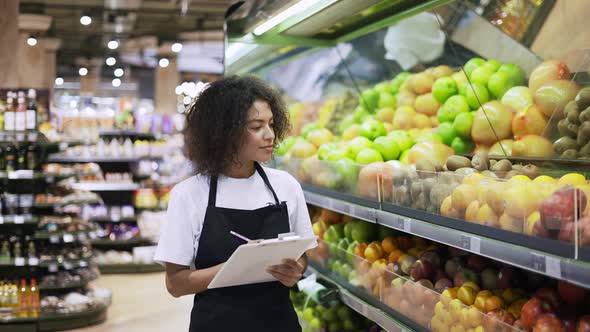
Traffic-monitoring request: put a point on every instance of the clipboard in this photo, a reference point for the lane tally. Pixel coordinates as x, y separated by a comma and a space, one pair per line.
248, 263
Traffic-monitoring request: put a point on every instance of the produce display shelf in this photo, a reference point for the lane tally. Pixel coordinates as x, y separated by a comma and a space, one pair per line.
120, 243
66, 286
105, 186
366, 305
59, 322
130, 268
18, 219
511, 248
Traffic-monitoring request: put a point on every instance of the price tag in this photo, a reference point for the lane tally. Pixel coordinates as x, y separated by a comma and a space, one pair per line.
68, 238
19, 261
398, 223
19, 219
470, 243
20, 174
68, 266
1, 220
342, 207
54, 239
538, 262
553, 266
33, 261
52, 268
83, 264
116, 218
408, 225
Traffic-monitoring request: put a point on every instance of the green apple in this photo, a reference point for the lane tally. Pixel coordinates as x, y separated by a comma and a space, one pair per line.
403, 139
454, 106
472, 64
330, 315
308, 128
357, 144
481, 75
346, 122
387, 146
499, 83
308, 314
315, 324
336, 154
364, 232
334, 233
368, 156
325, 149
372, 129
462, 124
462, 146
494, 65
476, 94
348, 171
443, 88
383, 87
359, 114
285, 146
387, 100
398, 80
447, 132
404, 157
369, 99
517, 75
460, 79
385, 114
429, 137
518, 98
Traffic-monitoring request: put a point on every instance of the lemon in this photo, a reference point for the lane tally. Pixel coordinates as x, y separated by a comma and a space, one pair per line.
573, 179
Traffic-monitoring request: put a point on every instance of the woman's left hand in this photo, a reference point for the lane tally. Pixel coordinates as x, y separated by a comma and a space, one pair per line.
288, 273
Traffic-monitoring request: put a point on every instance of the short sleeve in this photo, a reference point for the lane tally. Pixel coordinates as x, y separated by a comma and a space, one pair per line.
176, 241
300, 218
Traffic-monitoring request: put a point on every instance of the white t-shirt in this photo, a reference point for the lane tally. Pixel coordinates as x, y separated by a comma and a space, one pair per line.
181, 231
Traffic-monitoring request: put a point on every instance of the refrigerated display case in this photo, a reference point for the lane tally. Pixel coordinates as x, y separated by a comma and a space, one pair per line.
425, 117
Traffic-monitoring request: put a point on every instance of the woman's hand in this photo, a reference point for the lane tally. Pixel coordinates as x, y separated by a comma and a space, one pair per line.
288, 273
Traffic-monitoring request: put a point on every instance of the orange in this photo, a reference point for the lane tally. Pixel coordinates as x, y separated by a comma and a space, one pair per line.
493, 303
389, 244
395, 255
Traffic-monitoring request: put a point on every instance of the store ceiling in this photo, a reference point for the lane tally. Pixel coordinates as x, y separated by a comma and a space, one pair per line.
124, 20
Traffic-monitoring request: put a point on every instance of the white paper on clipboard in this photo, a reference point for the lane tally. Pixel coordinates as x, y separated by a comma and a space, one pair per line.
247, 265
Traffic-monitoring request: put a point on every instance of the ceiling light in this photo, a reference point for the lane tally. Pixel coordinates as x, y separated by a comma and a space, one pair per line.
83, 71
163, 62
178, 90
119, 72
59, 81
113, 44
85, 20
286, 14
176, 47
116, 82
111, 61
32, 41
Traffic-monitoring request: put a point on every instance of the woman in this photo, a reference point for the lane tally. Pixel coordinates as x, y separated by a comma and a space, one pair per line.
232, 128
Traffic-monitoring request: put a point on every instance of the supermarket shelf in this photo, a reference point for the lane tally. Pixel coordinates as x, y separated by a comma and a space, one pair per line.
149, 209
520, 250
120, 243
127, 133
129, 268
66, 286
18, 219
60, 158
62, 237
367, 306
105, 186
109, 219
59, 322
67, 264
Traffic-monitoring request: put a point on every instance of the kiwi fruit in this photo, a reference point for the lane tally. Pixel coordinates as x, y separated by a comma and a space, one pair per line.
489, 174
517, 167
510, 174
531, 171
584, 133
569, 154
503, 165
572, 113
565, 143
564, 128
585, 151
493, 162
464, 171
416, 189
583, 98
456, 162
427, 185
480, 161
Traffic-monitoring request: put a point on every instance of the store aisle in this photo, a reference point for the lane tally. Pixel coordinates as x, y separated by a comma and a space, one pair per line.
141, 303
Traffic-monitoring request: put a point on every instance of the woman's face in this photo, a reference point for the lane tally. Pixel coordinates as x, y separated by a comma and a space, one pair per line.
258, 140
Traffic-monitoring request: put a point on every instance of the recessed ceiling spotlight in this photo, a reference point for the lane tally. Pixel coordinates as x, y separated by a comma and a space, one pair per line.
113, 44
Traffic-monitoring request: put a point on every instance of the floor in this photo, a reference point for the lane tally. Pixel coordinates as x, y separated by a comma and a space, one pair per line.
141, 303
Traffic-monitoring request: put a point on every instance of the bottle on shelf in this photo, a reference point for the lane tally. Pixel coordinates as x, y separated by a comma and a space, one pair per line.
31, 250
31, 114
9, 113
21, 113
2, 110
11, 157
5, 252
34, 301
13, 296
32, 160
2, 159
17, 251
21, 154
23, 300
3, 294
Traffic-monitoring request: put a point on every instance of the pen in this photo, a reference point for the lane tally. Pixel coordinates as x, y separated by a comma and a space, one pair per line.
240, 236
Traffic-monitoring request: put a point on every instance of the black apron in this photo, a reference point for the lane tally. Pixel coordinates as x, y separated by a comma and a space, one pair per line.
255, 307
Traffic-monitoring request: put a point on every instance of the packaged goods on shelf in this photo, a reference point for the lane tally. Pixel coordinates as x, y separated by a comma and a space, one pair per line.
150, 224
113, 257
76, 302
103, 212
118, 231
19, 300
65, 278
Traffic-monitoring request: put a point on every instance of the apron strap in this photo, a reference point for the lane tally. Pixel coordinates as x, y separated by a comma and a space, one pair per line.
212, 190
213, 186
265, 178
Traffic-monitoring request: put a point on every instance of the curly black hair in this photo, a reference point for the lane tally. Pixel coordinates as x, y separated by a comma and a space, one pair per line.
216, 122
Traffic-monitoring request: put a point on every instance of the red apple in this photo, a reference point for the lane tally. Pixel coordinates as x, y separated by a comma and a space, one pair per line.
570, 293
507, 278
550, 296
452, 266
442, 284
439, 274
548, 323
431, 256
560, 208
489, 279
477, 263
422, 270
464, 276
498, 321
531, 311
583, 324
